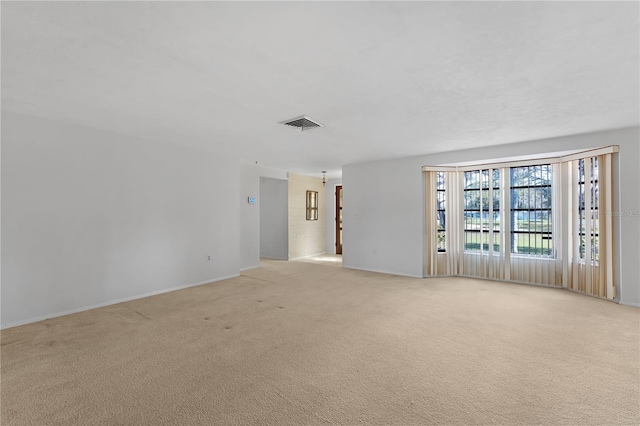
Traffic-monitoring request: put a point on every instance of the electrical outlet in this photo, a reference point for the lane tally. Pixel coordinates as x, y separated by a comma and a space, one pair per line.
208, 257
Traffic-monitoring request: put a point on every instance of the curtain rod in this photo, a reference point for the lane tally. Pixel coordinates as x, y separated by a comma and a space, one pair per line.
534, 161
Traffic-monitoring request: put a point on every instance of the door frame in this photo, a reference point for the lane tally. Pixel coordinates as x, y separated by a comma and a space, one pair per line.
337, 219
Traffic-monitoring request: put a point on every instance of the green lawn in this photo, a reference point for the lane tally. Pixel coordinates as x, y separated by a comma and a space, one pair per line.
525, 243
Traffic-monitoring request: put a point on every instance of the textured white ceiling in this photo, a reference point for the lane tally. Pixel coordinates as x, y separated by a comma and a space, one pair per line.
385, 79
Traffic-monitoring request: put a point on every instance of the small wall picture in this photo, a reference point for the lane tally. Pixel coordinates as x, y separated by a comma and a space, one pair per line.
312, 205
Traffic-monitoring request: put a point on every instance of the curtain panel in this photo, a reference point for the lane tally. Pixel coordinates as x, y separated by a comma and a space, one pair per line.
545, 222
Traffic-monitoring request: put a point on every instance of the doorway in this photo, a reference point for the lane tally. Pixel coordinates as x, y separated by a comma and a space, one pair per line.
338, 219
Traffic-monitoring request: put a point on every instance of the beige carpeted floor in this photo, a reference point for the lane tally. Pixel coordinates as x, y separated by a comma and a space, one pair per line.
302, 343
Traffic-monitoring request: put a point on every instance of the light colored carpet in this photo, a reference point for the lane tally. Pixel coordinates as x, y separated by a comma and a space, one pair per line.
324, 259
301, 343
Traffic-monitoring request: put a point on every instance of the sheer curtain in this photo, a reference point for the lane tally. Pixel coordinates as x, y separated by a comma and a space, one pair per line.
590, 256
444, 261
499, 255
491, 218
481, 249
431, 225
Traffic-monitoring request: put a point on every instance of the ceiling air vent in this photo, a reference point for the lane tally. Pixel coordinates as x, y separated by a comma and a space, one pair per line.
301, 123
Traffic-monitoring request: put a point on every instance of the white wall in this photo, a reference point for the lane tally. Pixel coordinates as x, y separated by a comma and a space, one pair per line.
383, 206
250, 213
306, 237
274, 221
382, 217
331, 214
91, 217
249, 217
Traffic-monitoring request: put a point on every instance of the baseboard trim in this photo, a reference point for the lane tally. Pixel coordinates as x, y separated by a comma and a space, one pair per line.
379, 271
249, 267
113, 302
633, 305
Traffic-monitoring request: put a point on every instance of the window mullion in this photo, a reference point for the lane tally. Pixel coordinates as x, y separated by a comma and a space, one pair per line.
490, 233
505, 220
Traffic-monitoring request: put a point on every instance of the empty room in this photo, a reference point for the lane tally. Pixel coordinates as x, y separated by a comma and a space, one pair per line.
343, 213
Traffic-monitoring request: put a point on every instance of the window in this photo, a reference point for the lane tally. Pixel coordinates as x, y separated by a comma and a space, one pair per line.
478, 212
591, 210
312, 205
441, 215
504, 220
531, 219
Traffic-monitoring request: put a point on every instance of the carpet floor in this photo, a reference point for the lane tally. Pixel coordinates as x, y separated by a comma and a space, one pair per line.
295, 343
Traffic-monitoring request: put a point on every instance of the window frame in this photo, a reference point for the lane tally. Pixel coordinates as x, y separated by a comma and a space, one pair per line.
441, 211
594, 187
486, 185
537, 210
